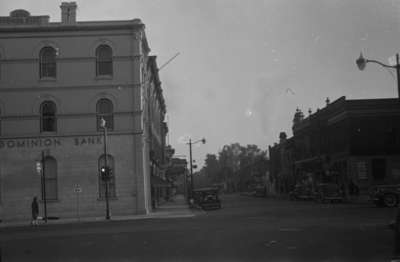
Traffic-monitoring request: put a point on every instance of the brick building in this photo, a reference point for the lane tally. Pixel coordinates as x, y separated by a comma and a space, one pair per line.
57, 80
348, 141
281, 165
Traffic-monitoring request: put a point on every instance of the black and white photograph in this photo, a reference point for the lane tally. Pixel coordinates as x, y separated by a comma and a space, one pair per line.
200, 130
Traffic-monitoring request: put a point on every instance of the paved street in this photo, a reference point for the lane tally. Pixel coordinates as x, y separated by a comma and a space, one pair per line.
246, 229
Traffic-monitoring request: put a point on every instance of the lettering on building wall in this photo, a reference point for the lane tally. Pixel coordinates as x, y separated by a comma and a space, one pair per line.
30, 143
81, 141
49, 142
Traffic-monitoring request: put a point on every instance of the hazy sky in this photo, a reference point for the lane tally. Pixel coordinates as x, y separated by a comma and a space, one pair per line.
244, 66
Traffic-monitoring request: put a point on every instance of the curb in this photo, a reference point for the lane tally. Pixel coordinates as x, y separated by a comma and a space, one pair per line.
154, 215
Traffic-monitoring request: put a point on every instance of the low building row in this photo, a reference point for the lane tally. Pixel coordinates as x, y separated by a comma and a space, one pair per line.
352, 143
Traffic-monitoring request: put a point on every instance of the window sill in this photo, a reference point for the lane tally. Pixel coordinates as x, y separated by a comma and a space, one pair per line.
104, 77
46, 133
48, 79
104, 199
102, 130
50, 201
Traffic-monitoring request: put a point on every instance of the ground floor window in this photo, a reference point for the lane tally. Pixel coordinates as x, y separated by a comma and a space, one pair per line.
378, 166
362, 173
50, 178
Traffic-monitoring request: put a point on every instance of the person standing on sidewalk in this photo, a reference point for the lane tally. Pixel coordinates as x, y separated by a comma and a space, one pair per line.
35, 211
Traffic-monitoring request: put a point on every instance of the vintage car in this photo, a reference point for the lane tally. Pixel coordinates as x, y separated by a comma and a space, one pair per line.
207, 198
301, 192
328, 192
260, 191
385, 195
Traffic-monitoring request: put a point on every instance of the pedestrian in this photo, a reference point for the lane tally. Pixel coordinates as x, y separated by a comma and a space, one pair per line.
35, 211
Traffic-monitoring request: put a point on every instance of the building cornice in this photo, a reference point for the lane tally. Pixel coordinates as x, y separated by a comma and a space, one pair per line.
341, 109
79, 26
135, 57
66, 87
135, 26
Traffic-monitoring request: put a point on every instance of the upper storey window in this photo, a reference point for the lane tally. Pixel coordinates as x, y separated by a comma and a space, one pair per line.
47, 60
104, 109
104, 63
48, 120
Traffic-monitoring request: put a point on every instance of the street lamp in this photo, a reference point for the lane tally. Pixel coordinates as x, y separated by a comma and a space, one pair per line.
190, 143
362, 63
105, 170
41, 170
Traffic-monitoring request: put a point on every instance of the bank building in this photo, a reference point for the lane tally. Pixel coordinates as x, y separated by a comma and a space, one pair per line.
65, 87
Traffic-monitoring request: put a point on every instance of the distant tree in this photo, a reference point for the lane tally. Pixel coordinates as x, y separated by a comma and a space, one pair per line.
238, 167
212, 168
230, 162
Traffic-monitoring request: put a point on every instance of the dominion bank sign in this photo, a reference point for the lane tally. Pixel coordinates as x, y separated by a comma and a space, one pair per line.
49, 142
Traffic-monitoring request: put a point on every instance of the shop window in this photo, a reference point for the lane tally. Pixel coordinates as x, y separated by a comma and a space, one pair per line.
390, 137
378, 166
104, 109
362, 170
48, 119
50, 174
111, 182
104, 61
47, 62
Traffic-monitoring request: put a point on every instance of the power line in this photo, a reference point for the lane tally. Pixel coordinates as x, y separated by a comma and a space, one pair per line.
168, 61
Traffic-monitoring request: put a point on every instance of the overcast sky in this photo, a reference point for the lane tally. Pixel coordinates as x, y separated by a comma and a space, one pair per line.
245, 65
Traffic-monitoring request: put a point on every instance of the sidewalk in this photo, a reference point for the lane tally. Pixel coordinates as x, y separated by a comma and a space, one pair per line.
175, 208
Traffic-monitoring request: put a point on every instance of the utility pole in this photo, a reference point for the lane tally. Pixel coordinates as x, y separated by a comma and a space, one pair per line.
44, 197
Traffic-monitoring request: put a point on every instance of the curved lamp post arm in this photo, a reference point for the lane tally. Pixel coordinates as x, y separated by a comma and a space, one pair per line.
203, 140
362, 62
380, 63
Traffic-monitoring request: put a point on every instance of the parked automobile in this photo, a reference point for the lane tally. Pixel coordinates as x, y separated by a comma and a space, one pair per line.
301, 192
328, 192
207, 198
385, 195
260, 191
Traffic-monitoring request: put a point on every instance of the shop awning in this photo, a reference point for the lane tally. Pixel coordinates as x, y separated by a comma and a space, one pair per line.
308, 160
313, 164
158, 182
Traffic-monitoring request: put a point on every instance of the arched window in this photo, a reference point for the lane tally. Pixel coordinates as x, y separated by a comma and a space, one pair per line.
104, 109
47, 61
111, 182
104, 62
48, 120
50, 175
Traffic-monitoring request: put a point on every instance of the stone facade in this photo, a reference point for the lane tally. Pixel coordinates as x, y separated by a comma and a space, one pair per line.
75, 88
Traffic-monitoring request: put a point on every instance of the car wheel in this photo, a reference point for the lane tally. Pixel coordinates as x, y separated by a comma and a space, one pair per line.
390, 200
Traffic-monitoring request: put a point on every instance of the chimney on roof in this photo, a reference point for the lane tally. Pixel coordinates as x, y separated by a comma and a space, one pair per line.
68, 13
